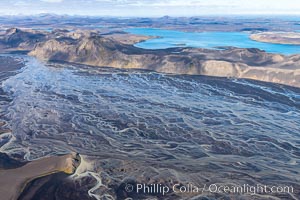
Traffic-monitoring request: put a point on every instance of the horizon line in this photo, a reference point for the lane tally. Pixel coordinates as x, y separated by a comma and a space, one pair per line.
154, 16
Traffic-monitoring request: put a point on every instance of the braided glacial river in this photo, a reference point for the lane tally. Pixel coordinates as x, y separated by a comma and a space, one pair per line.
154, 128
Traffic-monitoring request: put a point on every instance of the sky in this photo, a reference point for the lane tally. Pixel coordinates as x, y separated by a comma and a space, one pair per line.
150, 8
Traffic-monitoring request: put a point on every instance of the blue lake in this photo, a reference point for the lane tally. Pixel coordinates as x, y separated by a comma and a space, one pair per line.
169, 38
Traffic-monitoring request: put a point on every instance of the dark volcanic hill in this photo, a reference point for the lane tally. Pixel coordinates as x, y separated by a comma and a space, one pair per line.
17, 38
88, 47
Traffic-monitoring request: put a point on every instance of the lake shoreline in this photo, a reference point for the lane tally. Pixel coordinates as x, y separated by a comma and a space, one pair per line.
168, 38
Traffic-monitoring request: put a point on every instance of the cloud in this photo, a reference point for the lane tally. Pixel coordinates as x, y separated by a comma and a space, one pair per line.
52, 1
151, 7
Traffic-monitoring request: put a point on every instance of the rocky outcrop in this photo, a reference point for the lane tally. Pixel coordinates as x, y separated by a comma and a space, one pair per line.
88, 47
277, 37
220, 68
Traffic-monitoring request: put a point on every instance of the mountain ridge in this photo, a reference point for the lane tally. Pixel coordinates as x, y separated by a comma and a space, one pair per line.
90, 48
